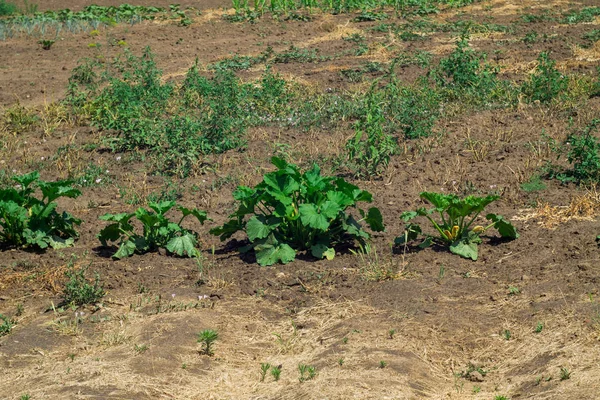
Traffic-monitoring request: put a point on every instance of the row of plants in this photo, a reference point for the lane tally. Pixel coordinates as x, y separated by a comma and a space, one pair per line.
290, 211
179, 124
90, 18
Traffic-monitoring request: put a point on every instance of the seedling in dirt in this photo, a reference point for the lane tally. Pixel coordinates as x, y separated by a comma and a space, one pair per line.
79, 291
27, 221
276, 372
513, 290
501, 398
46, 44
307, 372
139, 349
295, 211
5, 325
391, 333
382, 364
158, 231
71, 356
539, 327
341, 362
455, 226
264, 368
564, 374
506, 334
476, 389
207, 337
345, 340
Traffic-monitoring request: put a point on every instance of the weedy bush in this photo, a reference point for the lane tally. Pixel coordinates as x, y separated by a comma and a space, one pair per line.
27, 221
465, 70
370, 150
79, 291
177, 124
546, 83
294, 211
158, 231
456, 216
207, 338
5, 325
582, 151
7, 8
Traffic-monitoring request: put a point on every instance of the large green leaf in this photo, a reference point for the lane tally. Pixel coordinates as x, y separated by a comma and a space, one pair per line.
228, 229
110, 232
126, 249
183, 245
439, 200
375, 220
260, 227
330, 209
53, 190
340, 198
57, 242
268, 252
162, 207
322, 251
26, 179
504, 227
312, 218
464, 249
201, 216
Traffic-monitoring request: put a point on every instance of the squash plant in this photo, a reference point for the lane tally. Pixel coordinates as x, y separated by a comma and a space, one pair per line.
455, 225
291, 211
158, 231
27, 221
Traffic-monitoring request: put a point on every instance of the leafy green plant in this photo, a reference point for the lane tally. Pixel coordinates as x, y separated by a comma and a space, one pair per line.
7, 8
264, 368
370, 150
294, 211
27, 221
79, 291
454, 228
382, 364
564, 374
46, 43
5, 325
464, 69
158, 231
307, 372
276, 372
546, 83
207, 338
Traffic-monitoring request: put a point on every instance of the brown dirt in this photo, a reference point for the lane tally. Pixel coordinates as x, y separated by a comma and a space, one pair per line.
447, 325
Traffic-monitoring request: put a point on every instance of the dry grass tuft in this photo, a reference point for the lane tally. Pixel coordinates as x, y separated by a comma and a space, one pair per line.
585, 207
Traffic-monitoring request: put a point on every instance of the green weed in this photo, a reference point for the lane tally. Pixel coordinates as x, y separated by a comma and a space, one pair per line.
5, 325
546, 83
207, 338
79, 291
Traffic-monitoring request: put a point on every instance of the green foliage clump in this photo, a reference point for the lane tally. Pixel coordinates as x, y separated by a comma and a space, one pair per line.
27, 221
294, 211
79, 291
546, 83
586, 14
7, 8
177, 124
464, 70
456, 216
370, 150
207, 338
158, 231
5, 325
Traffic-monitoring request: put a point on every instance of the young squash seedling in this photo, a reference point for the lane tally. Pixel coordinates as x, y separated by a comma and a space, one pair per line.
294, 211
455, 228
158, 232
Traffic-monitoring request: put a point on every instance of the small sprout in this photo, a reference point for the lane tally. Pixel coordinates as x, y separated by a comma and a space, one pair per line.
345, 339
539, 327
46, 45
391, 333
207, 337
95, 32
184, 366
71, 356
264, 368
506, 334
139, 349
513, 290
307, 372
341, 362
382, 364
564, 374
476, 389
276, 372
